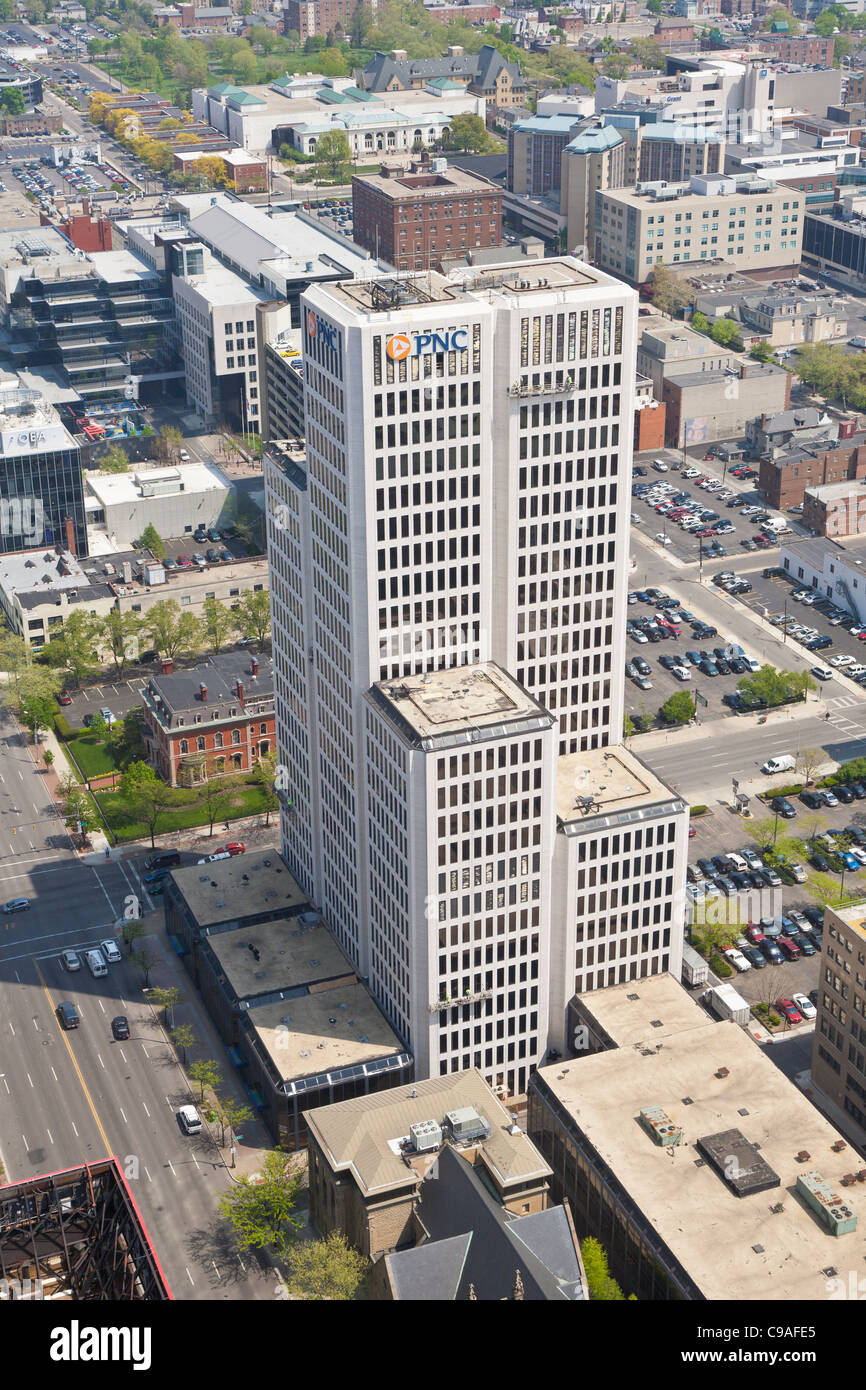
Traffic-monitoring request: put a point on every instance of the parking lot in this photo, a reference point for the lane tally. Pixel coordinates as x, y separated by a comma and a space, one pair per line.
831, 637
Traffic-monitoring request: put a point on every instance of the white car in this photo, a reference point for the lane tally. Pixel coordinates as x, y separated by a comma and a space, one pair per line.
660, 466
111, 951
690, 473
737, 959
805, 1005
822, 673
797, 872
211, 858
662, 539
858, 852
753, 860
637, 520
842, 660
682, 673
856, 670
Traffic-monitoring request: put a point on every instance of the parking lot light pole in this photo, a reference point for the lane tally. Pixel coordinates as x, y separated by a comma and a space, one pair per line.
775, 829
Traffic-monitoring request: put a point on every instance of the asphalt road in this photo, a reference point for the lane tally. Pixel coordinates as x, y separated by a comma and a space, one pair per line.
65, 1097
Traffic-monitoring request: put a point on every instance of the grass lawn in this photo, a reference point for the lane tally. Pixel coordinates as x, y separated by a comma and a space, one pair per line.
187, 811
92, 757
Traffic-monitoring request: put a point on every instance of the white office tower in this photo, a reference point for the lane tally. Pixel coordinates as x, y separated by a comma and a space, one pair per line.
462, 502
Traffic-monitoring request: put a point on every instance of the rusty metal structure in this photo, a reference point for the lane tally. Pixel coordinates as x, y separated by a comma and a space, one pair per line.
77, 1234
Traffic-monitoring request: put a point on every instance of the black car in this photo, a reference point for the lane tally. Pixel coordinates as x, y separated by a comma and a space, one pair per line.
722, 666
814, 915
639, 470
754, 957
742, 881
733, 701
708, 668
855, 832
784, 807
756, 879
643, 667
667, 661
212, 555
163, 859
120, 1028
814, 800
200, 536
706, 867
858, 789
703, 630
67, 1015
819, 862
720, 863
844, 794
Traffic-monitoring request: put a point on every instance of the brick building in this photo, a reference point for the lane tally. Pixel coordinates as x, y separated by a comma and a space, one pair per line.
839, 509
649, 417
783, 481
211, 721
415, 216
704, 406
244, 173
85, 231
311, 17
799, 48
672, 29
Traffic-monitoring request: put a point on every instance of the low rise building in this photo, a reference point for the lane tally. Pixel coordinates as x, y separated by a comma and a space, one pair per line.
295, 1018
674, 29
833, 567
705, 406
780, 317
319, 17
486, 74
681, 1147
242, 172
649, 417
667, 347
176, 501
835, 509
752, 221
784, 478
438, 1185
213, 720
799, 48
411, 215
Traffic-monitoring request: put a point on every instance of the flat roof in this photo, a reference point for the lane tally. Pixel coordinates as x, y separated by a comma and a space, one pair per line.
363, 1135
641, 1014
256, 882
457, 698
113, 489
607, 782
723, 1242
289, 955
425, 182
301, 1039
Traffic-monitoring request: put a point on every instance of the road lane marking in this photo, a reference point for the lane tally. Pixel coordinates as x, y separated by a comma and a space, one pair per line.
24, 1137
218, 1275
125, 1120
102, 886
189, 1277
123, 1054
149, 1178
12, 1027
102, 1006
196, 1162
48, 1132
30, 1079
54, 1074
171, 1166
146, 1111
72, 1122
66, 1041
99, 1059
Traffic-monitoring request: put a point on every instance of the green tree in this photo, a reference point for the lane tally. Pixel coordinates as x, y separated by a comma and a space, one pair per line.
328, 1270
467, 132
118, 633
776, 686
825, 23
73, 649
152, 541
725, 332
649, 54
761, 350
48, 758
35, 683
265, 775
146, 959
602, 1287
216, 624
234, 1115
36, 713
148, 796
131, 931
808, 762
779, 15
75, 801
333, 150
700, 323
617, 66
182, 1038
114, 460
252, 617
12, 101
654, 6
628, 726
168, 443
205, 1073
167, 997
171, 630
669, 294
206, 777
679, 709
262, 1213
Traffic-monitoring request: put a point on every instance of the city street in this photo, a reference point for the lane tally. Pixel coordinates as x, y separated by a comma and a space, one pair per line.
64, 1096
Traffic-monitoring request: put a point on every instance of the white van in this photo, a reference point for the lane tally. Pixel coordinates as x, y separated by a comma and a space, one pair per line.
96, 964
785, 762
190, 1119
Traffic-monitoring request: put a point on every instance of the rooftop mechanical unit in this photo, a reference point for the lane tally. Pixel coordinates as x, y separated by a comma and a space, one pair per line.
660, 1126
466, 1124
832, 1209
426, 1135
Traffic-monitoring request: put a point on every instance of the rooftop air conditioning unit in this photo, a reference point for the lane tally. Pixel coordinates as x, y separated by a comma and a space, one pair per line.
426, 1135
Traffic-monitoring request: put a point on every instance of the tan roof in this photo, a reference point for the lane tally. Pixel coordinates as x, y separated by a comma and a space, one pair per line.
362, 1135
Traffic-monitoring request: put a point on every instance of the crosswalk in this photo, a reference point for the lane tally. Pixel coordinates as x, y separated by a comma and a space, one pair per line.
843, 722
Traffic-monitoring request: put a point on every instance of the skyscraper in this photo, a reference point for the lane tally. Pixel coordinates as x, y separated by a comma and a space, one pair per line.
449, 585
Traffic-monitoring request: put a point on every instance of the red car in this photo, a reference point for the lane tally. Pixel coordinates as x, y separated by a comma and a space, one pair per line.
64, 698
235, 847
692, 832
184, 562
789, 1011
755, 935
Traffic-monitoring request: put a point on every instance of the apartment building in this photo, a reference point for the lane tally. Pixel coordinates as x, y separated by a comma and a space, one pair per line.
309, 17
448, 602
750, 221
413, 215
839, 1050
535, 149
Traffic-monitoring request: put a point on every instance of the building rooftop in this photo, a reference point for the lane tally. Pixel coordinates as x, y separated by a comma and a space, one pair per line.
416, 180
301, 1039
456, 700
113, 489
744, 372
762, 1245
829, 492
363, 1136
177, 701
281, 955
610, 783
257, 882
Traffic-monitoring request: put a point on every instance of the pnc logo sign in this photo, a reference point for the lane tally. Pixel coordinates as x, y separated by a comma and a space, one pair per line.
400, 345
317, 328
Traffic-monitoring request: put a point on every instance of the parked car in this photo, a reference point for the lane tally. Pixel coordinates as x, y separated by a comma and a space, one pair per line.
70, 960
789, 1011
110, 950
783, 806
803, 1003
737, 959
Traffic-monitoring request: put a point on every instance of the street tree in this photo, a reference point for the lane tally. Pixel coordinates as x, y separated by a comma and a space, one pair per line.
262, 1213
215, 797
808, 762
182, 1037
235, 1115
669, 294
171, 630
763, 831
216, 623
206, 1074
146, 959
131, 931
73, 650
48, 758
679, 708
168, 443
252, 617
75, 802
265, 775
328, 1270
167, 997
467, 132
148, 796
775, 686
114, 460
36, 713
